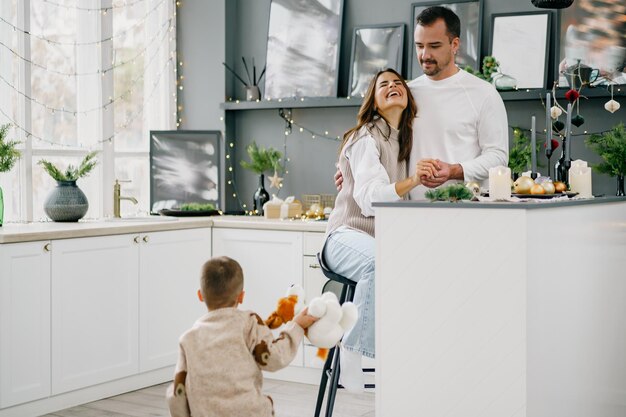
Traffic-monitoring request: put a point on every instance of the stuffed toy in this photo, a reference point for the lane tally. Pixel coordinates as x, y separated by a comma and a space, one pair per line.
334, 321
287, 307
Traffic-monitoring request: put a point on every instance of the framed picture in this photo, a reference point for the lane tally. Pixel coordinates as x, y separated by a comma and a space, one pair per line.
303, 44
374, 48
592, 33
470, 13
186, 167
520, 42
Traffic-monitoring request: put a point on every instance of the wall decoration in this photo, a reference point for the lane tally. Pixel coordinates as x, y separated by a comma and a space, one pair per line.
374, 48
186, 167
520, 42
592, 37
470, 13
303, 48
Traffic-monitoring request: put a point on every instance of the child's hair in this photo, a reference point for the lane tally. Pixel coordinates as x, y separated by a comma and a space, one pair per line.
221, 282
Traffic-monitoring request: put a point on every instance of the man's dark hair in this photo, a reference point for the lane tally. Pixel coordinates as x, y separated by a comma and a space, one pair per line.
429, 15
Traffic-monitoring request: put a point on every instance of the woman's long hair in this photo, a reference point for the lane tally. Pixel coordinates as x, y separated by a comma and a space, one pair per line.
368, 113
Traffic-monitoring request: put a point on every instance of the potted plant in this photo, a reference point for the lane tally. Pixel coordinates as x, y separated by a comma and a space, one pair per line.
261, 160
611, 146
8, 157
67, 202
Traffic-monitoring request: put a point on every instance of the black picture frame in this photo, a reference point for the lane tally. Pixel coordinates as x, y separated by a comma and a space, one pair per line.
186, 166
522, 46
374, 47
573, 27
301, 36
470, 50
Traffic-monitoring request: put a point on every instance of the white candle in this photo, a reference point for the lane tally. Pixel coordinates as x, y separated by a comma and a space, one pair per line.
580, 178
548, 121
533, 146
500, 183
568, 133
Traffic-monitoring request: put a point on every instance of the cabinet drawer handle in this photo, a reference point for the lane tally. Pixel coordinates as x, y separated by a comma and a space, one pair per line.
145, 239
46, 247
136, 239
314, 266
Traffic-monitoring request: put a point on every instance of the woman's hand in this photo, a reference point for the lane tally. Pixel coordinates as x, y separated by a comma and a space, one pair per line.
426, 169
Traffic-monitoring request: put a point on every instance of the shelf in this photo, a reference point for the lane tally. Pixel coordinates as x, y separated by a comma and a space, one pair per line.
322, 102
292, 103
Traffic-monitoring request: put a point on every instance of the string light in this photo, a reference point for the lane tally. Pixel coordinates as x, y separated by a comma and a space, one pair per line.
99, 71
139, 24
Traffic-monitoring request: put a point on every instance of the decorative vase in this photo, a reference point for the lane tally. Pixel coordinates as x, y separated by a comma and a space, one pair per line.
66, 203
620, 190
260, 196
2, 206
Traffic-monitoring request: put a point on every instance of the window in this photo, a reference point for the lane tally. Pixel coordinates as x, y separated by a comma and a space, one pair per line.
83, 75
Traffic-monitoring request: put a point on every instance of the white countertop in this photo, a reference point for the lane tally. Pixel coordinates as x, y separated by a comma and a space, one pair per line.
29, 232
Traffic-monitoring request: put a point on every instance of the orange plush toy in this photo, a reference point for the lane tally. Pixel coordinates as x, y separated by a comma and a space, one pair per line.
287, 307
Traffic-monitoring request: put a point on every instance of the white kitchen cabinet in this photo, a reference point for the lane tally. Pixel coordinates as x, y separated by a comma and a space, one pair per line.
271, 262
24, 322
169, 277
95, 283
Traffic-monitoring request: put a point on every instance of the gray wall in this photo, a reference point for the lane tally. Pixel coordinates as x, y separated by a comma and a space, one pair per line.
311, 165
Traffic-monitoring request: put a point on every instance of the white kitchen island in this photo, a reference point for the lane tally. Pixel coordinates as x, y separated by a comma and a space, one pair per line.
501, 309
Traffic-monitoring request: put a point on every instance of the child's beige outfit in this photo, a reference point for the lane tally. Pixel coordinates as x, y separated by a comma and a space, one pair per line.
220, 362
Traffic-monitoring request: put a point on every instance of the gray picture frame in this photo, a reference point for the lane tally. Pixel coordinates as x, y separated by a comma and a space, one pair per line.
374, 47
586, 34
520, 42
186, 166
470, 51
303, 49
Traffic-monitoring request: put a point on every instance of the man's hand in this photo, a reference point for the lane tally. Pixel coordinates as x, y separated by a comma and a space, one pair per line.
443, 172
338, 179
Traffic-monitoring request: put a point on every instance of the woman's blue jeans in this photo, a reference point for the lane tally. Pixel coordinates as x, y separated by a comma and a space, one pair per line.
351, 253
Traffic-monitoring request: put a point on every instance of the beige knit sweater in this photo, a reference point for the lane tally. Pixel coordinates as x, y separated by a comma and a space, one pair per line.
221, 357
347, 212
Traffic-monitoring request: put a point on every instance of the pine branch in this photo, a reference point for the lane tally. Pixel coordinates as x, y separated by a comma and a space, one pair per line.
611, 147
262, 160
454, 192
8, 152
71, 173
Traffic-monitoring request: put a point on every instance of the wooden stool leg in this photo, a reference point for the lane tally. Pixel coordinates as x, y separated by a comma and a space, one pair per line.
323, 382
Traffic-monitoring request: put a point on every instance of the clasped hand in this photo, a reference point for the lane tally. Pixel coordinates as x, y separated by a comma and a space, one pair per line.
432, 172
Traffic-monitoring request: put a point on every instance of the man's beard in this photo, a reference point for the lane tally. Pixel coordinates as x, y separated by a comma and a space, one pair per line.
435, 67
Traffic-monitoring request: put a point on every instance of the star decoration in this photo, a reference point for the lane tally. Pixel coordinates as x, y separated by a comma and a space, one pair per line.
275, 180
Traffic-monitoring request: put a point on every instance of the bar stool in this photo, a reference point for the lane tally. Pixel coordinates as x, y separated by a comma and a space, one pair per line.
331, 368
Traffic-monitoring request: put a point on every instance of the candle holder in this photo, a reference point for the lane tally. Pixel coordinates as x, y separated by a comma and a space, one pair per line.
562, 166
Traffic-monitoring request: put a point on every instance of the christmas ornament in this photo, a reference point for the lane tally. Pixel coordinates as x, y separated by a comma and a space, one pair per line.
557, 126
572, 95
474, 187
275, 180
578, 120
612, 106
555, 112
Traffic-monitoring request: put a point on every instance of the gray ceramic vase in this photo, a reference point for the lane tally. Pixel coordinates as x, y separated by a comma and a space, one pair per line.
66, 203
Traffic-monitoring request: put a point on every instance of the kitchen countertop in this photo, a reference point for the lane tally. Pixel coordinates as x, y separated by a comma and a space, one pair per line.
530, 204
30, 232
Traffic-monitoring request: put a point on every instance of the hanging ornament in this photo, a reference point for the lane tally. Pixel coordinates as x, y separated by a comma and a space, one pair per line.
552, 4
276, 181
612, 106
557, 126
555, 112
572, 95
578, 120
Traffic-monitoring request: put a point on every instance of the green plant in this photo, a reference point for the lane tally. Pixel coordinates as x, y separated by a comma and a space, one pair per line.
611, 146
520, 154
262, 160
490, 65
71, 173
454, 192
197, 207
8, 153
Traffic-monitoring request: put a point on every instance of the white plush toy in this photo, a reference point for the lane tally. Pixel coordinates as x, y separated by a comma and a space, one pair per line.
334, 321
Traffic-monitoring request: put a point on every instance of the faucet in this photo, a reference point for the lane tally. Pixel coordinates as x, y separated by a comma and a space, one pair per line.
117, 198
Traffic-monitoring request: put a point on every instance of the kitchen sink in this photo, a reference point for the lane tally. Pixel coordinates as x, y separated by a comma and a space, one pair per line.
139, 219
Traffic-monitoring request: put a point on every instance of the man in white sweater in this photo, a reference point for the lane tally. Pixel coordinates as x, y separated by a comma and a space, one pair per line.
461, 120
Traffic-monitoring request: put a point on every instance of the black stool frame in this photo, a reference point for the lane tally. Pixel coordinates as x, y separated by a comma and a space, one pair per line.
331, 366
